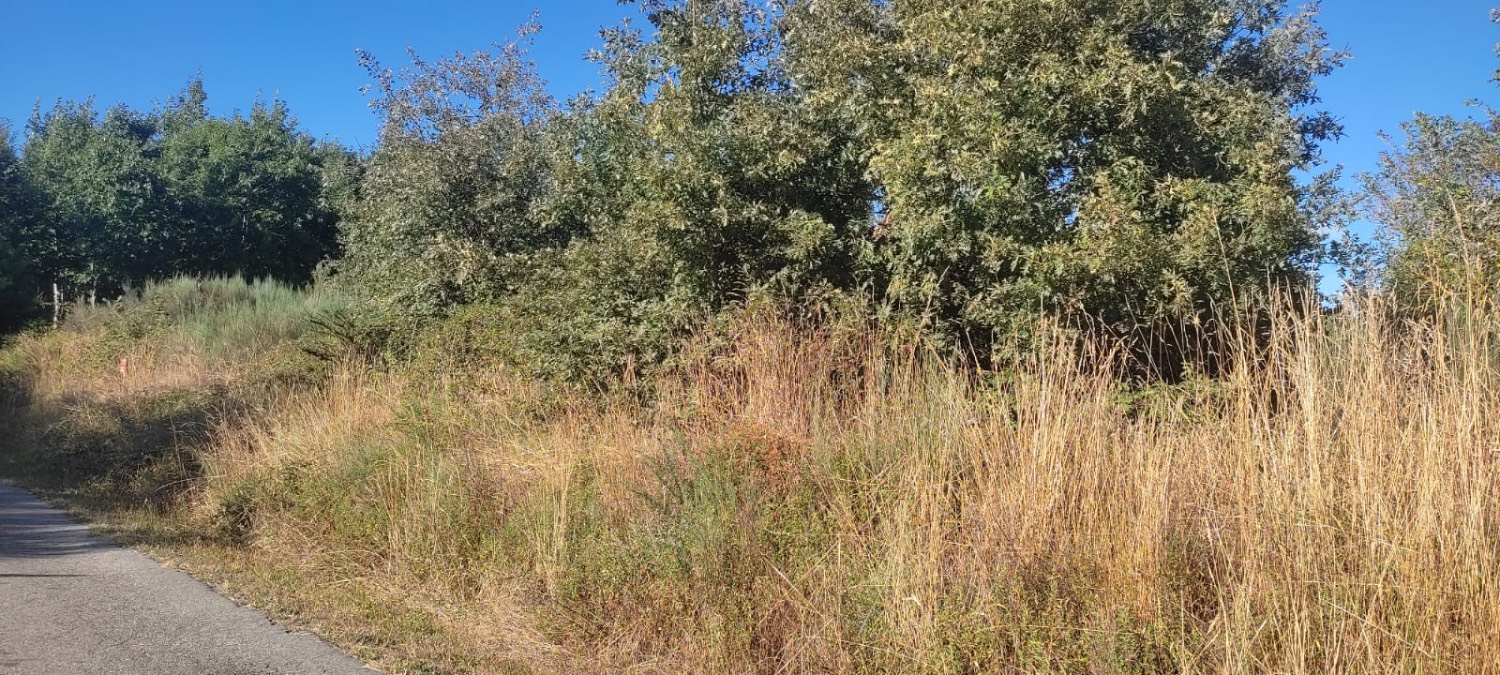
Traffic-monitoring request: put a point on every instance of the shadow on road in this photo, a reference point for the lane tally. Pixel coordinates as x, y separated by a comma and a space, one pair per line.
29, 529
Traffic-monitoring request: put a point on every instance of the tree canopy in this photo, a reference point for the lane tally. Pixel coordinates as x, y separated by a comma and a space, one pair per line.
20, 218
1437, 197
1133, 167
971, 165
131, 196
1129, 162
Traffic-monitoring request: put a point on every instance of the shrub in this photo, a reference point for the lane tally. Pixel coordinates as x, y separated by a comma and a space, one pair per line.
1436, 198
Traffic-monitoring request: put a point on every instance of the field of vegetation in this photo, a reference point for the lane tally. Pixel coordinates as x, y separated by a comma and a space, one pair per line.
794, 497
847, 336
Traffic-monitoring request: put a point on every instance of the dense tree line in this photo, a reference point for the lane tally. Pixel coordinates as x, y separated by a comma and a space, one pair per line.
1131, 167
97, 202
969, 165
19, 210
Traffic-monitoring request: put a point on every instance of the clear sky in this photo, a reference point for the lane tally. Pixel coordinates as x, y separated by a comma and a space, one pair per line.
301, 52
1409, 55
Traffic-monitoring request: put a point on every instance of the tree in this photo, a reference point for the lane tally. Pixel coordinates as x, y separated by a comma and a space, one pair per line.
108, 212
19, 214
1437, 198
248, 192
695, 178
132, 196
446, 214
728, 172
979, 164
1130, 162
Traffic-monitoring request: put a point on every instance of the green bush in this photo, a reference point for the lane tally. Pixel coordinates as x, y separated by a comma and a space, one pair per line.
447, 206
1437, 199
1131, 168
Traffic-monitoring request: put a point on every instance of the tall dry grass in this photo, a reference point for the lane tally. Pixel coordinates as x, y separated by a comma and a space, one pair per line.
123, 386
821, 500
812, 498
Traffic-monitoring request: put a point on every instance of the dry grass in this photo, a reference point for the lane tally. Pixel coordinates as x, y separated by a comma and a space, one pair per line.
822, 500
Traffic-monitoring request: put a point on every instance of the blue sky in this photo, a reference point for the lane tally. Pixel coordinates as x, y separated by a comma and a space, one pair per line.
1408, 56
302, 52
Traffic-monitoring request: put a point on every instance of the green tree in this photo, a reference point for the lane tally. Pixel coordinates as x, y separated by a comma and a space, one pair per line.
447, 207
1132, 162
725, 168
132, 196
19, 213
247, 192
1437, 198
979, 163
697, 177
108, 212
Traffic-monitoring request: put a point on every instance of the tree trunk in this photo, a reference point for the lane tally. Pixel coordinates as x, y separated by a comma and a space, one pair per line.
56, 304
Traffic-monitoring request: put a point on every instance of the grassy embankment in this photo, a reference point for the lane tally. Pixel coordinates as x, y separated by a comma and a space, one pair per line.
795, 500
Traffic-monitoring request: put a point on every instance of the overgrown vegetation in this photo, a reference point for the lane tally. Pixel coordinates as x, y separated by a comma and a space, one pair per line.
835, 336
98, 204
1438, 200
807, 497
1130, 167
120, 427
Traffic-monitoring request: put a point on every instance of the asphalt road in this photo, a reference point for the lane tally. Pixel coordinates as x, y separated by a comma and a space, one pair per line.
74, 604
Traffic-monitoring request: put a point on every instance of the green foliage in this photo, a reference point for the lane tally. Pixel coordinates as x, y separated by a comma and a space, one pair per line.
106, 203
726, 170
602, 231
606, 306
234, 318
273, 327
251, 195
1125, 161
1438, 200
1131, 166
132, 196
20, 211
447, 208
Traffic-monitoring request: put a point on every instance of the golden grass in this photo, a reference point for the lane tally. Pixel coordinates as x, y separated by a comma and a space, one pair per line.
823, 500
